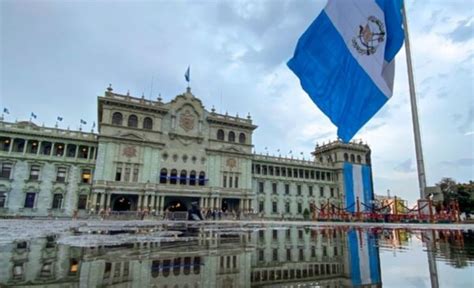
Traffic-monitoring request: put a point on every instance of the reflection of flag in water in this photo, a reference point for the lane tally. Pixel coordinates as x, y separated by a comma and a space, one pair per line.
364, 258
358, 183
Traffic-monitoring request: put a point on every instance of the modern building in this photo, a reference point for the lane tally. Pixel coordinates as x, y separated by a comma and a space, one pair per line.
156, 156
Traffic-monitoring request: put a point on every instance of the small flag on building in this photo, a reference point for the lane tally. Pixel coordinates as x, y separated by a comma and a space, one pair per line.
33, 115
93, 125
83, 122
60, 118
5, 110
345, 60
187, 75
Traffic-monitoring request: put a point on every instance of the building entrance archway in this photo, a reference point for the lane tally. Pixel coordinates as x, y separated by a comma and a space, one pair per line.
124, 202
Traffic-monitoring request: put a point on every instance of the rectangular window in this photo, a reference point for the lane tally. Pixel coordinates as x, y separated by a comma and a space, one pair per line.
310, 190
261, 206
270, 169
322, 176
274, 207
321, 191
57, 201
30, 200
275, 234
61, 175
82, 202
274, 188
287, 208
86, 176
34, 172
3, 199
230, 181
224, 181
300, 208
5, 171
261, 187
287, 189
275, 254
277, 171
325, 251
317, 175
288, 254
261, 255
289, 172
126, 177
236, 181
135, 173
283, 172
298, 189
313, 251
301, 255
118, 174
332, 192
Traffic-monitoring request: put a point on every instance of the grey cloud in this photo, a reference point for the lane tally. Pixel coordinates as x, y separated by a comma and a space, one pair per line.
372, 127
405, 166
463, 32
465, 121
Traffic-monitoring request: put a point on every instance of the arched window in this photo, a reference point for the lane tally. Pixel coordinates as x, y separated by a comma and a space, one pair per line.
231, 136
177, 266
182, 177
359, 159
192, 178
220, 134
242, 138
173, 176
352, 158
132, 121
346, 157
155, 268
202, 178
117, 118
163, 176
147, 123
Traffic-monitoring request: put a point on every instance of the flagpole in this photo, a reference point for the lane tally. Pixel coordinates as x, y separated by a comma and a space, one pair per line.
414, 112
419, 151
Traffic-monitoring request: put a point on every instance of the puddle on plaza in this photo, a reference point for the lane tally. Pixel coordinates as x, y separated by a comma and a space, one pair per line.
184, 255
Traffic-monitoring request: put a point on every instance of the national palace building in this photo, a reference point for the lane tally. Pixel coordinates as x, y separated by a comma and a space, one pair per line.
156, 156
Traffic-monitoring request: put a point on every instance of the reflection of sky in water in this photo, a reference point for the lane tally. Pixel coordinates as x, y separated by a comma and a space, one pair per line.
407, 265
228, 255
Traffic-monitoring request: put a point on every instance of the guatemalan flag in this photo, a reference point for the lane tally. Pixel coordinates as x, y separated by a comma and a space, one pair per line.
345, 60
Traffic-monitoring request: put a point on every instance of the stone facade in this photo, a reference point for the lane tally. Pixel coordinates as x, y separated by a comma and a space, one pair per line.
156, 156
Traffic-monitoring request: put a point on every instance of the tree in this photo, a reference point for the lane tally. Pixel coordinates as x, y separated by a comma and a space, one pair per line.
463, 193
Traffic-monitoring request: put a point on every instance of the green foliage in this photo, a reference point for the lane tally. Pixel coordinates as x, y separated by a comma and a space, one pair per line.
461, 192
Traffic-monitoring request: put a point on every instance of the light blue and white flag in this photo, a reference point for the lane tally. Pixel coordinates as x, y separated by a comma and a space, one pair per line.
33, 115
364, 259
6, 111
345, 60
187, 75
358, 183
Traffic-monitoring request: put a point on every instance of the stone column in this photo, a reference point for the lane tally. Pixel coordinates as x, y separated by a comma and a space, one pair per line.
109, 200
102, 200
201, 202
52, 149
250, 204
77, 151
153, 203
39, 148
145, 201
25, 147
162, 203
139, 204
12, 141
93, 201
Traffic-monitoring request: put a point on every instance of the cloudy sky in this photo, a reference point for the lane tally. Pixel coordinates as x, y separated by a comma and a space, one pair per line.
56, 57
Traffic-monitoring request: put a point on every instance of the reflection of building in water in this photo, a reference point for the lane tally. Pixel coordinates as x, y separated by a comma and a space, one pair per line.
151, 155
266, 258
